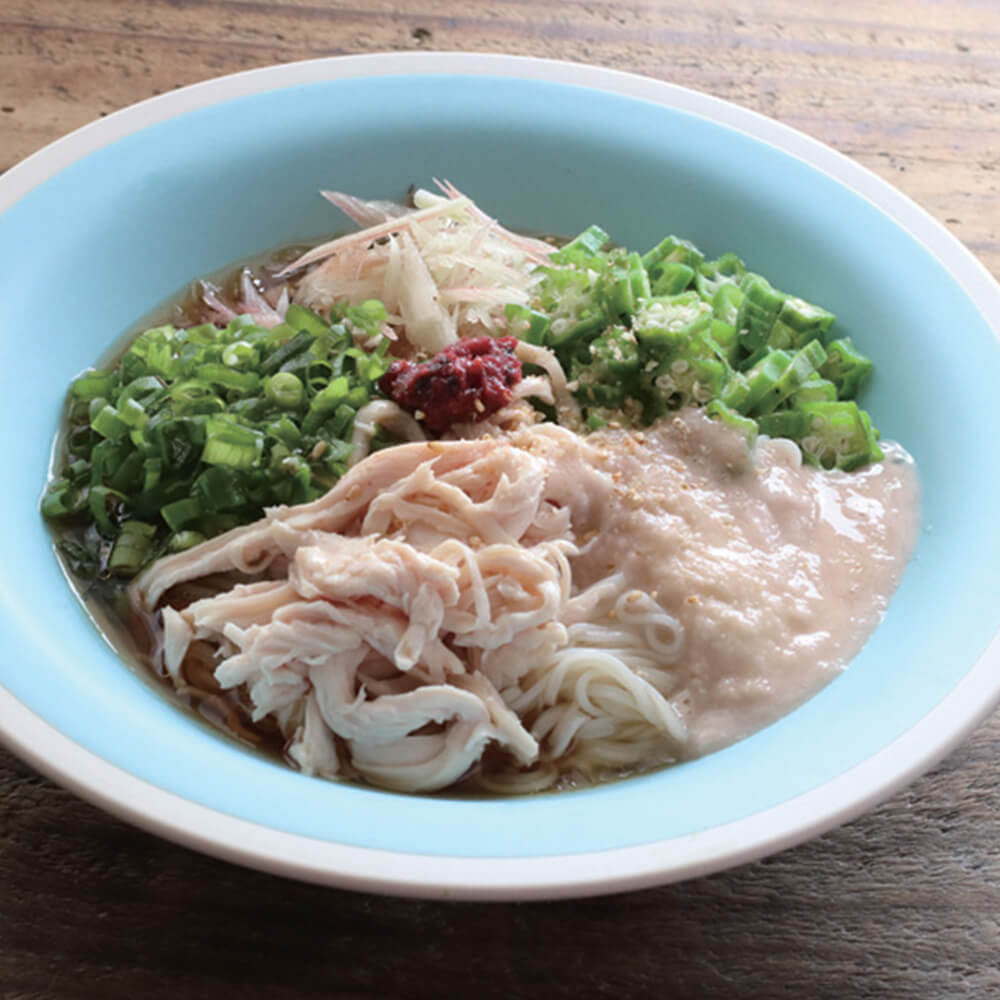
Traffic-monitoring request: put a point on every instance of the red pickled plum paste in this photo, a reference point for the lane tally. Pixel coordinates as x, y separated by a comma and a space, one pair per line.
465, 382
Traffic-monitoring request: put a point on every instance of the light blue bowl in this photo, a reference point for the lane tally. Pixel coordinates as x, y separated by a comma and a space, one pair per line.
130, 210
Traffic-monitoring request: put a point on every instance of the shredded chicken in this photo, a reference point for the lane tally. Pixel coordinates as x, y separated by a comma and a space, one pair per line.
402, 610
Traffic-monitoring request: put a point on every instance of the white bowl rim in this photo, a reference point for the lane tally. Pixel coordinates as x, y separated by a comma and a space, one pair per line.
591, 873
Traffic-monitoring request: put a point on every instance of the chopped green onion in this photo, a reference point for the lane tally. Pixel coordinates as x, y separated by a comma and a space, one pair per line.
153, 469
98, 499
285, 430
200, 429
93, 383
61, 499
304, 320
240, 355
145, 389
229, 443
357, 397
296, 345
340, 424
228, 378
181, 512
325, 402
131, 548
132, 412
195, 397
181, 540
285, 390
368, 316
109, 424
219, 489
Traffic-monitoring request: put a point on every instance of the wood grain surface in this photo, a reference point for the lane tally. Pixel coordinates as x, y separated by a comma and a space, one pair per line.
903, 903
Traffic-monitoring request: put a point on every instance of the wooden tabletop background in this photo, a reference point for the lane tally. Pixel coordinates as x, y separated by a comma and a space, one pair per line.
902, 903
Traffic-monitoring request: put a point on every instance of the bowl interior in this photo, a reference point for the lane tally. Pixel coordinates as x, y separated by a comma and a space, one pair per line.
94, 248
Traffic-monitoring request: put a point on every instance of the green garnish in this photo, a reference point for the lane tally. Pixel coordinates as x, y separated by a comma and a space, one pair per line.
197, 430
640, 336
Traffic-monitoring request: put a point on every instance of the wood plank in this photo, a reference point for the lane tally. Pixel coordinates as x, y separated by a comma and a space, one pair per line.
902, 903
933, 76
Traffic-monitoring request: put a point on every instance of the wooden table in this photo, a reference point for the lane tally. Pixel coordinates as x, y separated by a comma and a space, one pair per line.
903, 903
